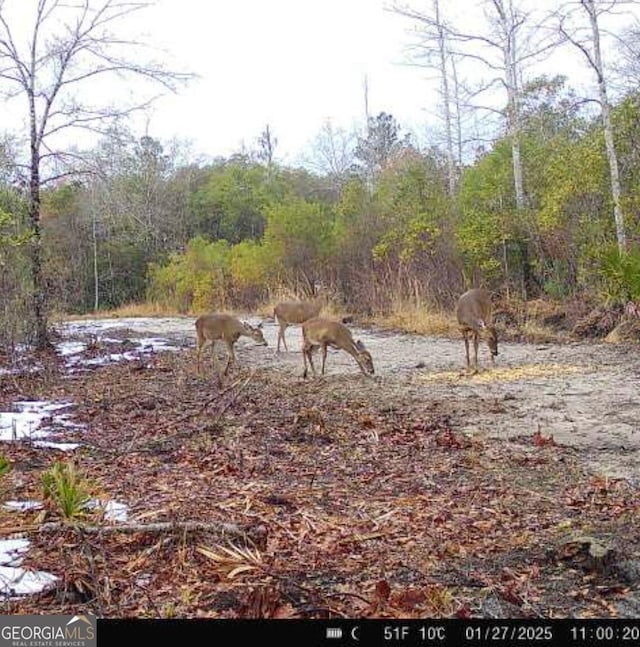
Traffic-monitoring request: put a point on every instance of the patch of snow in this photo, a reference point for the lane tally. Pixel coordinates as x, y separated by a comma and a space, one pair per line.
11, 551
26, 421
113, 510
21, 425
15, 580
141, 346
63, 447
37, 406
22, 506
116, 511
67, 348
156, 343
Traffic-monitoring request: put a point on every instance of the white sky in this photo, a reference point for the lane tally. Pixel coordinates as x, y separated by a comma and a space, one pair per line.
290, 63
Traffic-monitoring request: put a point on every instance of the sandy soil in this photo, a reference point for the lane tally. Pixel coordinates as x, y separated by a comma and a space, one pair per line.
584, 395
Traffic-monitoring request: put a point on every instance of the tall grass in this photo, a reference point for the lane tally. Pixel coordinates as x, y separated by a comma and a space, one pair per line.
66, 489
420, 318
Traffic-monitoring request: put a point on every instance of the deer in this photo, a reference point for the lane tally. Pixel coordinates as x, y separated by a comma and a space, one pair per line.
223, 327
475, 316
294, 312
320, 332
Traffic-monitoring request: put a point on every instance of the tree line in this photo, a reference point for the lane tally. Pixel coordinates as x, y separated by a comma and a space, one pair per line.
546, 207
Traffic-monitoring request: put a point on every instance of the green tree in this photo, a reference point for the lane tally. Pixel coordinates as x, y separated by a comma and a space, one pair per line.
381, 143
231, 205
67, 46
196, 280
298, 236
416, 212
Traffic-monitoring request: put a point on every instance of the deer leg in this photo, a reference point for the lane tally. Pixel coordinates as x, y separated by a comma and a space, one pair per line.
476, 343
231, 358
307, 355
324, 357
281, 330
304, 361
214, 357
198, 354
465, 336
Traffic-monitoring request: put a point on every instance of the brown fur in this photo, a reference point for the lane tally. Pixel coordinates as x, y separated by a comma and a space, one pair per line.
226, 328
319, 332
474, 313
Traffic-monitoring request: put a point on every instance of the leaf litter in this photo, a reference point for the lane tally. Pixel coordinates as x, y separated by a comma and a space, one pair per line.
332, 497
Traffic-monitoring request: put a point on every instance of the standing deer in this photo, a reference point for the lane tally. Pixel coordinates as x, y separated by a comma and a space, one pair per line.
224, 327
474, 316
294, 312
319, 332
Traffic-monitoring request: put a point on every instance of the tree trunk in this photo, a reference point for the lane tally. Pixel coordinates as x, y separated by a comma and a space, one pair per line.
513, 109
446, 99
42, 341
608, 128
456, 89
96, 283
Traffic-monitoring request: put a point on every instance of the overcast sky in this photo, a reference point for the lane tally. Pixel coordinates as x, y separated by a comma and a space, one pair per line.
296, 63
292, 64
289, 63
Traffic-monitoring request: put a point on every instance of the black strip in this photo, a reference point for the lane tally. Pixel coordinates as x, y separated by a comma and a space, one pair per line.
366, 633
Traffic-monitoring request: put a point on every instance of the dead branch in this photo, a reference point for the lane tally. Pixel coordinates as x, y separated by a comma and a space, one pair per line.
130, 528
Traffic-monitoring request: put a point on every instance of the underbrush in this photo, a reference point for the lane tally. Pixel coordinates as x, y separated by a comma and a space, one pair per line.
534, 321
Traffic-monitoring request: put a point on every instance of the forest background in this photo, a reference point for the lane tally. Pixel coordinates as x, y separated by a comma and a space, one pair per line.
528, 186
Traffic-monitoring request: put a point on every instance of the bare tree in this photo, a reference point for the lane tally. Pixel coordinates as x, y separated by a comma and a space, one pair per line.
588, 40
267, 144
433, 51
511, 38
627, 64
332, 153
69, 46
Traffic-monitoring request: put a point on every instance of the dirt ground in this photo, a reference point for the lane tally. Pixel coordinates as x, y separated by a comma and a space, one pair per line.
583, 394
420, 492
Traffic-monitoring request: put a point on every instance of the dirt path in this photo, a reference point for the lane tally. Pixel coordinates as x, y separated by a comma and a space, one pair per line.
584, 395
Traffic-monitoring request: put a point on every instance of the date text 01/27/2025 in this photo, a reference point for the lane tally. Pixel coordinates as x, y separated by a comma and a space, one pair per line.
554, 632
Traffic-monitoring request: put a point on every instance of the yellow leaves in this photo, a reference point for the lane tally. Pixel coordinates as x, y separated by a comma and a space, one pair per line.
506, 374
250, 264
233, 560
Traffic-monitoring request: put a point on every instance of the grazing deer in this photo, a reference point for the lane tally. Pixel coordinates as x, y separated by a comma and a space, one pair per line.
319, 332
474, 316
224, 327
294, 312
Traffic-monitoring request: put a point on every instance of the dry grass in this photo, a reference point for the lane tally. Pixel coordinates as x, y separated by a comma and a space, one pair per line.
411, 317
265, 310
503, 374
129, 310
421, 319
534, 332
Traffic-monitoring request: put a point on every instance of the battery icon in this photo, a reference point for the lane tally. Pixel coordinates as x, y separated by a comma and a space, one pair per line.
334, 632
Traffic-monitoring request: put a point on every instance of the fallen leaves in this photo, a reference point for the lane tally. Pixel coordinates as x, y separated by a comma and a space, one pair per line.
503, 373
356, 502
231, 561
542, 441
